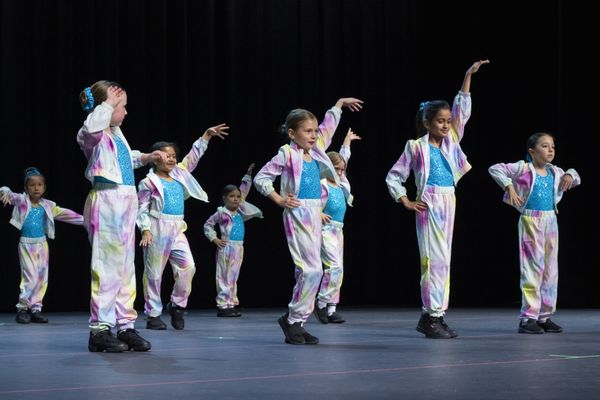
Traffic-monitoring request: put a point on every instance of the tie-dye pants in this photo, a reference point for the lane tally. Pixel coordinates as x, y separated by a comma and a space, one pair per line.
33, 258
434, 235
332, 255
109, 216
169, 244
538, 254
229, 260
303, 232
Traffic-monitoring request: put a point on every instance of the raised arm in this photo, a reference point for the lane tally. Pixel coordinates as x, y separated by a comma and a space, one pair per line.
332, 119
246, 184
461, 107
345, 149
466, 85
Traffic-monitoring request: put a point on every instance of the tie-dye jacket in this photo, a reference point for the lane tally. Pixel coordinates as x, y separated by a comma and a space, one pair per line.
22, 206
344, 183
416, 153
224, 218
522, 176
288, 161
96, 142
151, 198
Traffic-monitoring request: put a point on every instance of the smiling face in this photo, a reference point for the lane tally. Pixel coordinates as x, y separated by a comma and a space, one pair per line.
35, 187
305, 135
543, 151
232, 200
166, 167
439, 126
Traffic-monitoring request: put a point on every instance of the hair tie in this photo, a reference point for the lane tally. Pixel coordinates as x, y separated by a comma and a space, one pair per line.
423, 105
32, 172
89, 97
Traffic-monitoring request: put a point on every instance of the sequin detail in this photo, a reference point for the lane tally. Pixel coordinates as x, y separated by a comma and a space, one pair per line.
173, 192
237, 230
310, 181
440, 173
336, 204
33, 226
542, 195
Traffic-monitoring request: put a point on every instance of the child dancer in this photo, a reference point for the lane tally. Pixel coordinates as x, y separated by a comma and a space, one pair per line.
438, 163
160, 219
230, 247
34, 216
335, 198
534, 187
109, 216
302, 164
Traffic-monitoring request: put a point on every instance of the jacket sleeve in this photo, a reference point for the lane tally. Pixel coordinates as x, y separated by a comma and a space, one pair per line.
504, 174
91, 132
400, 173
328, 126
345, 153
144, 199
461, 112
264, 179
66, 215
190, 161
14, 198
245, 186
209, 226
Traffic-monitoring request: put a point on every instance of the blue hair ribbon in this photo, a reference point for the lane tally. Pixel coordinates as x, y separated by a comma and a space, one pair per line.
89, 104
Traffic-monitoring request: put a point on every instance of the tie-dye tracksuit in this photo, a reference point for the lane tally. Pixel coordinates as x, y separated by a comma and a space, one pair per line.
302, 224
169, 242
436, 224
332, 246
538, 237
229, 258
109, 216
33, 251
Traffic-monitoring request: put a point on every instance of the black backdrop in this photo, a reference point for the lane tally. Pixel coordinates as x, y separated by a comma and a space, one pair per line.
188, 65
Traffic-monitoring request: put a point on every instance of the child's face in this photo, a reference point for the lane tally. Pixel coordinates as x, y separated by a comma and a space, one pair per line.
340, 168
35, 188
232, 200
306, 134
543, 151
167, 166
119, 112
440, 125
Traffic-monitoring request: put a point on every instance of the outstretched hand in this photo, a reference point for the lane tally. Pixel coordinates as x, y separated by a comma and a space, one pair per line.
352, 103
5, 199
218, 130
250, 168
114, 95
476, 65
350, 136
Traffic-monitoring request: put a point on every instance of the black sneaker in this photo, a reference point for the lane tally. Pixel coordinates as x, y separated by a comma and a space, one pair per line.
336, 318
432, 328
321, 314
308, 338
133, 341
228, 312
105, 341
294, 333
38, 318
155, 323
23, 317
176, 312
530, 326
549, 326
451, 331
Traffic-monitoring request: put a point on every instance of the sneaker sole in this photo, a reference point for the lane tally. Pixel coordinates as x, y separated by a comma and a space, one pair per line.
430, 336
530, 332
94, 349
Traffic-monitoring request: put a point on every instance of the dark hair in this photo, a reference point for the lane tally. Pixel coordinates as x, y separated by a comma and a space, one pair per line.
427, 111
30, 172
162, 145
228, 189
533, 140
293, 120
99, 92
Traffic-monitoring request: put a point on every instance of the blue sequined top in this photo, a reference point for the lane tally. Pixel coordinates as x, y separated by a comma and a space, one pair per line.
237, 230
336, 204
542, 195
124, 159
33, 226
173, 192
440, 173
310, 181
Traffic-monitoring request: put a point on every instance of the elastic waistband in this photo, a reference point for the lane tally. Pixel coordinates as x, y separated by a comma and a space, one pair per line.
438, 189
310, 202
168, 217
538, 213
25, 239
125, 189
334, 224
235, 243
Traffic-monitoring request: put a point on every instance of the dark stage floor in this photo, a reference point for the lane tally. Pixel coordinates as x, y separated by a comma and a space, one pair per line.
377, 354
